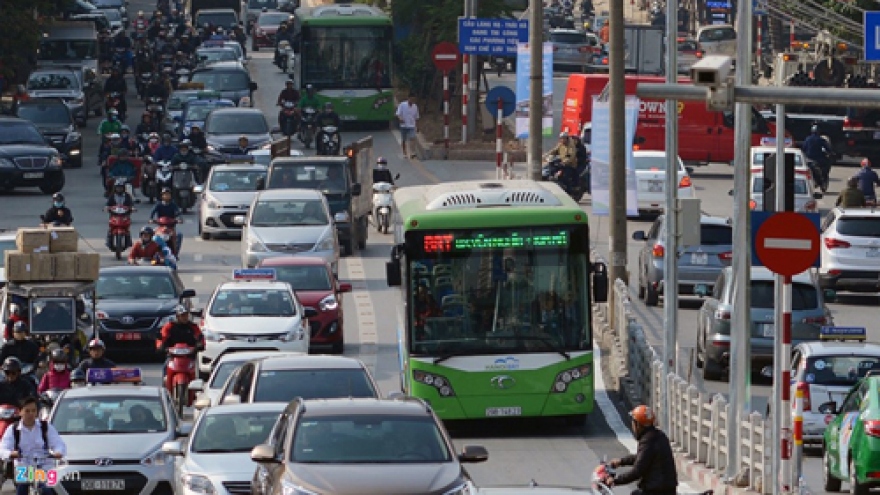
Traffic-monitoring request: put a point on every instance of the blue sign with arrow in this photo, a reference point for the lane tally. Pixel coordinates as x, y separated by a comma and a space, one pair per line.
508, 100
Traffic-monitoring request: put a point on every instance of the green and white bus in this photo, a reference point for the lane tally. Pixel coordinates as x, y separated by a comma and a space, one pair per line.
496, 283
345, 53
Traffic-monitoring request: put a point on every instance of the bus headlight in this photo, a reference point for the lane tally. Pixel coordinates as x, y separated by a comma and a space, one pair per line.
439, 382
566, 377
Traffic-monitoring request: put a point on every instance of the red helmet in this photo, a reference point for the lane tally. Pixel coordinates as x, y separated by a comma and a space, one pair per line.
643, 416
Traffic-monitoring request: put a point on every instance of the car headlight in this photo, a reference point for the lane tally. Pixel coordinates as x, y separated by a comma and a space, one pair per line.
295, 334
55, 161
156, 458
461, 489
326, 244
6, 163
255, 246
329, 303
211, 335
167, 319
342, 216
211, 147
213, 204
244, 101
288, 488
73, 137
198, 484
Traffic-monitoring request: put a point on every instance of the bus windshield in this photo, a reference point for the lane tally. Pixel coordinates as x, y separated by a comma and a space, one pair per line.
347, 56
501, 290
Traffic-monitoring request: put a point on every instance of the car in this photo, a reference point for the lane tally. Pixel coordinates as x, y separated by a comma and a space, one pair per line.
852, 438
230, 79
174, 109
7, 243
117, 5
234, 46
196, 111
225, 126
110, 448
54, 119
717, 39
808, 315
27, 159
230, 190
805, 200
208, 56
361, 446
530, 489
850, 250
650, 169
263, 35
698, 264
114, 18
573, 48
689, 53
225, 18
217, 458
313, 281
277, 225
248, 314
264, 156
283, 378
801, 163
78, 87
134, 303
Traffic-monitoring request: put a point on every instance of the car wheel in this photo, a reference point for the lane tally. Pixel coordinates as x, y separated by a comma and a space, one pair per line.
641, 293
700, 354
711, 370
652, 298
832, 484
338, 347
855, 487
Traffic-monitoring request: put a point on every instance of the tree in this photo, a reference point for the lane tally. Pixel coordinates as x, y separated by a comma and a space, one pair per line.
22, 23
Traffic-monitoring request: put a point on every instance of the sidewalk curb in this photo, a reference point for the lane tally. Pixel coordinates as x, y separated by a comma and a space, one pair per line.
707, 478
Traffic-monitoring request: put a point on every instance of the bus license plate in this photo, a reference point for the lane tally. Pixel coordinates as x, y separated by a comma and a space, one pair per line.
128, 336
33, 175
495, 412
115, 485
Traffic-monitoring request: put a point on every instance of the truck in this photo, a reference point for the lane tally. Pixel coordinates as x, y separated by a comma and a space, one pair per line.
350, 199
194, 6
645, 51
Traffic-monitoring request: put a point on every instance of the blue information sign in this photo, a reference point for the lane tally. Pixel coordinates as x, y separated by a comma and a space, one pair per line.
872, 36
491, 36
508, 100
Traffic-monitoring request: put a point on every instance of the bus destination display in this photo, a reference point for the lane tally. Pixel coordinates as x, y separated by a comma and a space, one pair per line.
445, 243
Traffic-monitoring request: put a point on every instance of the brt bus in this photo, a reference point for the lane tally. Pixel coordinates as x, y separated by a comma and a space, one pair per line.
496, 285
345, 53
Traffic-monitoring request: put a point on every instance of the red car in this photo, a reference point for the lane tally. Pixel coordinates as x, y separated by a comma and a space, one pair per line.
263, 34
316, 287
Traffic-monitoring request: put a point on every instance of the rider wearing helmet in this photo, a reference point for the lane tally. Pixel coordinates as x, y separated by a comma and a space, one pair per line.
21, 347
77, 378
817, 149
186, 155
58, 376
567, 152
111, 124
180, 331
16, 388
197, 137
310, 99
118, 197
328, 117
653, 465
289, 93
867, 180
144, 248
381, 172
166, 208
96, 357
16, 315
58, 214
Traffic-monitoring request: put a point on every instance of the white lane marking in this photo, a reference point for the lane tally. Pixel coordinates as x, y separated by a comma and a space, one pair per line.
198, 257
615, 422
365, 314
778, 243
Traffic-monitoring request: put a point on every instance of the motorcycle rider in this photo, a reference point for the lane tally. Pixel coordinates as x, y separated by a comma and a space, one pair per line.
817, 149
21, 347
852, 196
111, 124
25, 445
154, 29
118, 198
122, 168
167, 209
96, 358
140, 22
186, 45
291, 94
78, 378
15, 316
243, 147
197, 137
121, 40
144, 248
58, 214
58, 375
381, 172
867, 180
284, 33
310, 99
152, 145
567, 153
19, 388
583, 159
653, 465
166, 151
146, 125
328, 117
186, 155
128, 142
181, 331
116, 84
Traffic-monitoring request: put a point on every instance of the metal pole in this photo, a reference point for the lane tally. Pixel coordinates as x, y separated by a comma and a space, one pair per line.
536, 86
782, 313
670, 261
798, 428
740, 348
785, 381
498, 143
778, 316
473, 86
465, 76
617, 153
791, 35
446, 111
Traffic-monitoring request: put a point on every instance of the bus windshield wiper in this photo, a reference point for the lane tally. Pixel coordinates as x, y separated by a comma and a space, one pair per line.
549, 342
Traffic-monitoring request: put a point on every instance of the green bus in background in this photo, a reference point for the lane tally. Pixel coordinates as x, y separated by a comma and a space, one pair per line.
345, 53
495, 279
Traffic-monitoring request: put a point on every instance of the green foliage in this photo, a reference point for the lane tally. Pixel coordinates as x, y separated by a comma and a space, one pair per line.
22, 22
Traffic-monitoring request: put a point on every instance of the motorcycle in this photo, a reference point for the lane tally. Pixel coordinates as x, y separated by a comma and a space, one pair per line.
120, 59
168, 229
329, 143
8, 416
600, 474
382, 201
144, 79
149, 185
498, 64
573, 182
307, 126
166, 61
156, 107
183, 179
163, 175
287, 118
120, 229
180, 370
113, 101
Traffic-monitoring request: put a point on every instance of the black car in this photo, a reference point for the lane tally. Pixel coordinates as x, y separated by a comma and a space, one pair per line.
54, 119
230, 79
27, 159
225, 126
135, 302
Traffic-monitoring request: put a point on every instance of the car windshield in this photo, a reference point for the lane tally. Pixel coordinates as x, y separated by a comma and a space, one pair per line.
6, 246
177, 100
200, 112
95, 415
568, 38
253, 302
223, 19
104, 4
368, 439
68, 50
216, 55
20, 133
326, 177
236, 181
758, 158
45, 114
717, 34
716, 235
222, 372
859, 226
286, 385
272, 20
839, 370
261, 4
290, 213
800, 186
304, 277
654, 163
131, 286
803, 296
228, 433
43, 81
237, 123
222, 81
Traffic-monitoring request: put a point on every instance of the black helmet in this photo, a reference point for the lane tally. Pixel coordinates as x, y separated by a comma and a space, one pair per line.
58, 197
77, 375
20, 327
147, 230
12, 364
165, 190
58, 356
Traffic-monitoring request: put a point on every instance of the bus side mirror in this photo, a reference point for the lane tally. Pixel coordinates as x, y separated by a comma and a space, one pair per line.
600, 283
392, 272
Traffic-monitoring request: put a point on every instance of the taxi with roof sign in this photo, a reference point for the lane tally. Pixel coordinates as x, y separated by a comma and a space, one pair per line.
253, 312
114, 429
826, 370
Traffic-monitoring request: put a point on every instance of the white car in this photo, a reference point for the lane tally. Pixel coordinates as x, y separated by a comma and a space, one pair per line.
651, 180
850, 250
251, 315
717, 40
805, 200
757, 154
217, 458
7, 243
227, 193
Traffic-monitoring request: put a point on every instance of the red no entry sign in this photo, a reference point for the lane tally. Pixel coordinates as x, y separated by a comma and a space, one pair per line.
787, 243
445, 56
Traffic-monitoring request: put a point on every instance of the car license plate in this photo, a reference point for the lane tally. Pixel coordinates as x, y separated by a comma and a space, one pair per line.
495, 412
876, 134
33, 175
128, 336
699, 259
873, 253
115, 485
655, 186
767, 329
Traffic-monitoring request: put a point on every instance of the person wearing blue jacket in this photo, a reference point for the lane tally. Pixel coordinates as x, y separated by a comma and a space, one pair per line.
867, 180
166, 151
167, 208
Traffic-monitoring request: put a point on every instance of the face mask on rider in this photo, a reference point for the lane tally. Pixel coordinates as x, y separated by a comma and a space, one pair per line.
58, 204
60, 366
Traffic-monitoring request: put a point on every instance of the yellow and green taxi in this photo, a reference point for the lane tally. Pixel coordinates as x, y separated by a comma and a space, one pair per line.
852, 439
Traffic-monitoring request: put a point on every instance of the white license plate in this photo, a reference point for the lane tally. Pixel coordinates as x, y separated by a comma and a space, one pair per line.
699, 259
115, 485
873, 253
876, 134
33, 175
494, 412
767, 329
655, 186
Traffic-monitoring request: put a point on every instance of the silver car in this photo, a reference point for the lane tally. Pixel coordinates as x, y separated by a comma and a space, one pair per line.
227, 193
573, 48
284, 222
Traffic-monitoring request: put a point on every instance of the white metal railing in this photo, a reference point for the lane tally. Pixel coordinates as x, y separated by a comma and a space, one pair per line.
699, 422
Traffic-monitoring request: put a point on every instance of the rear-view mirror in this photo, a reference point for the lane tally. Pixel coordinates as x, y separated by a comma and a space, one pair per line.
275, 130
253, 86
600, 282
356, 189
184, 429
344, 287
310, 312
396, 176
473, 453
196, 385
730, 192
817, 195
202, 403
829, 407
188, 293
231, 399
690, 170
264, 454
172, 448
392, 273
198, 189
639, 235
701, 290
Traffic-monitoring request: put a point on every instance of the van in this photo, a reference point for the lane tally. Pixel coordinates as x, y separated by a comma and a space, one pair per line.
717, 40
69, 43
703, 136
